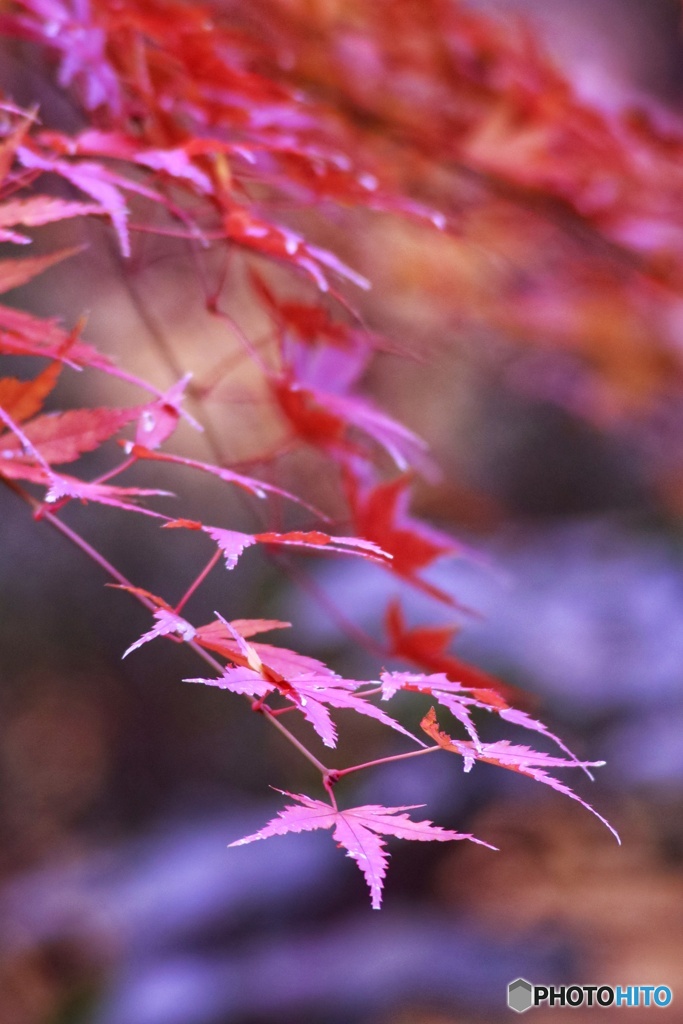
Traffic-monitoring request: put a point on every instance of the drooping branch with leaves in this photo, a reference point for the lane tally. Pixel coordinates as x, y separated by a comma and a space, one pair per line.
241, 132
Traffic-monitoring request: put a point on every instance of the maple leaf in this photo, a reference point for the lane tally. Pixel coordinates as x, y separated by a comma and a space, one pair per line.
275, 240
167, 622
74, 32
102, 184
459, 699
321, 359
228, 639
316, 540
311, 324
217, 637
233, 542
38, 463
247, 483
63, 436
63, 488
23, 399
176, 161
35, 211
358, 831
15, 272
310, 692
427, 647
516, 758
402, 444
453, 696
29, 450
159, 419
23, 334
316, 350
380, 513
323, 419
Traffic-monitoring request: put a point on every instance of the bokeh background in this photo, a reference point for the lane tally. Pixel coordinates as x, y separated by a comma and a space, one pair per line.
122, 786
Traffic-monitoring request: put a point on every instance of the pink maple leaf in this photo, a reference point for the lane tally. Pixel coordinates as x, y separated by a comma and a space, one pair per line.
102, 184
167, 622
315, 349
73, 31
159, 419
310, 692
34, 211
175, 162
357, 831
247, 483
67, 487
459, 699
516, 758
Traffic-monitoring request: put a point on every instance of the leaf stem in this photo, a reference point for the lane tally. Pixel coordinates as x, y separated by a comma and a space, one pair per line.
338, 773
199, 580
116, 470
95, 555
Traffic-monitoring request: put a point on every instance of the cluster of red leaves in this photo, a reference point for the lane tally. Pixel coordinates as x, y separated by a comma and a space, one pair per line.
200, 123
565, 221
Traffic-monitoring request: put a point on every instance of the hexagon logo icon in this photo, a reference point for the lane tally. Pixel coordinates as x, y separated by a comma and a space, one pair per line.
520, 995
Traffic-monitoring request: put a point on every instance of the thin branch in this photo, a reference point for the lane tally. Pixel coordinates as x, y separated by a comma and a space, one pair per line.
337, 773
199, 580
112, 571
265, 710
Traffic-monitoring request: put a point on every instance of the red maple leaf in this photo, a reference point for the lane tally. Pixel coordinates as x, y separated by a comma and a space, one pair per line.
427, 647
336, 423
64, 436
233, 542
279, 242
159, 419
15, 272
22, 399
380, 513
